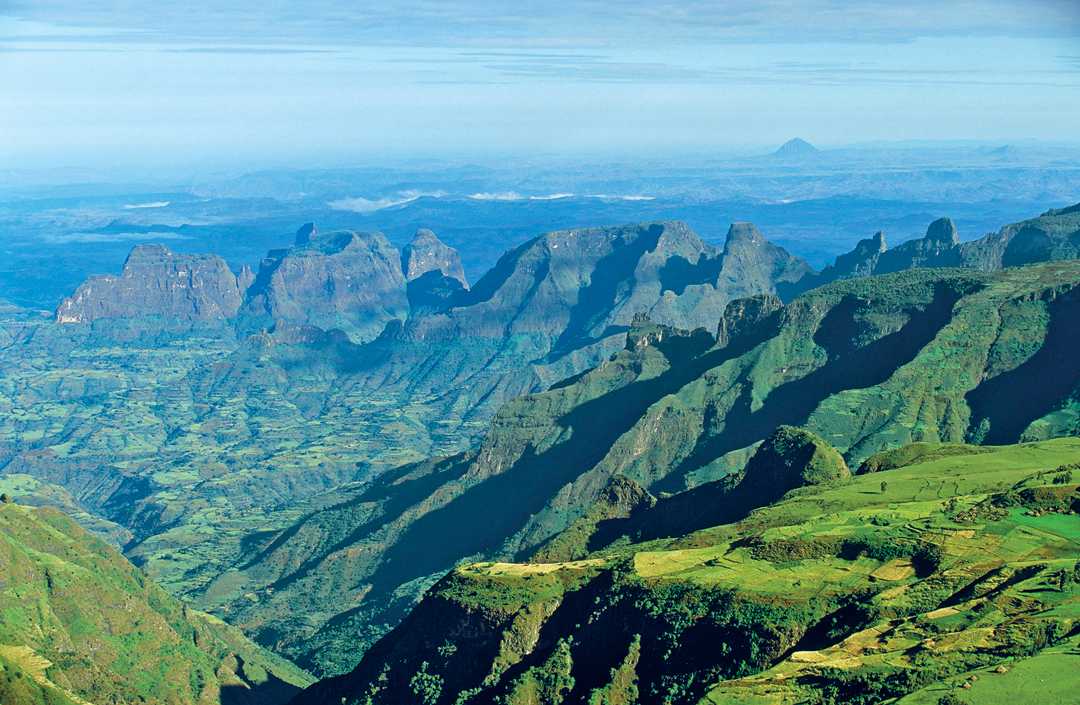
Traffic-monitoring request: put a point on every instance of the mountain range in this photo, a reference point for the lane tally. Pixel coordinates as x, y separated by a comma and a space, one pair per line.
305, 449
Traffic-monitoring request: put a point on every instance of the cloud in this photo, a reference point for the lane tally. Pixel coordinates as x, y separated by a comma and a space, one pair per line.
252, 50
151, 204
610, 197
551, 197
500, 196
515, 196
493, 25
359, 204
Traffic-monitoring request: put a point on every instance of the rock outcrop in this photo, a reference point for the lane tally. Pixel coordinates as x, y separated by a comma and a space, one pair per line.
1055, 235
343, 280
791, 457
156, 282
427, 253
860, 262
939, 248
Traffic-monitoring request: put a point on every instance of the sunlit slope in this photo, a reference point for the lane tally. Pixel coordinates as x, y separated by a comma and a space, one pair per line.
908, 580
79, 623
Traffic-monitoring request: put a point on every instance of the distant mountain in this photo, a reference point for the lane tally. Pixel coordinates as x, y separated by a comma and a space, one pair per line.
82, 625
946, 574
1055, 235
795, 148
156, 282
352, 282
427, 253
348, 281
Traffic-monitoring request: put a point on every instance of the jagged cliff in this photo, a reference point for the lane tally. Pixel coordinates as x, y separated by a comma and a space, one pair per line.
158, 283
347, 281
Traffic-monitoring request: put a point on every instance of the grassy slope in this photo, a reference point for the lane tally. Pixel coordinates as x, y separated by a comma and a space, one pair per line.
79, 621
808, 600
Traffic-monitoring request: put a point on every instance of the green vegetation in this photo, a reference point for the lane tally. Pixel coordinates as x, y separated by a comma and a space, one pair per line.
960, 580
79, 624
863, 365
310, 489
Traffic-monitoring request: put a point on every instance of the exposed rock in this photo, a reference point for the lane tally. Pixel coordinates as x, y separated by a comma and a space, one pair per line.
753, 265
156, 282
1055, 235
345, 280
744, 314
860, 262
306, 234
427, 253
245, 279
939, 248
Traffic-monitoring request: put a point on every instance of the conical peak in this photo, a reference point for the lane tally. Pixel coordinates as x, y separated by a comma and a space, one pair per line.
943, 230
743, 232
428, 253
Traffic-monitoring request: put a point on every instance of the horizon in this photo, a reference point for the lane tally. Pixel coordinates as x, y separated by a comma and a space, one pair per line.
245, 87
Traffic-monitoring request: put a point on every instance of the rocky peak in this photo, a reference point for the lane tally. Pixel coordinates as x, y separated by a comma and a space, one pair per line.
741, 315
940, 247
427, 253
943, 230
752, 265
343, 280
741, 234
306, 234
860, 262
157, 282
245, 279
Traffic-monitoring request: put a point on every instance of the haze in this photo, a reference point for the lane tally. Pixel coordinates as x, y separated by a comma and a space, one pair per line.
276, 83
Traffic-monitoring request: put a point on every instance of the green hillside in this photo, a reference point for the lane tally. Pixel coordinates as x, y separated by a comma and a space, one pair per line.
79, 624
957, 575
866, 364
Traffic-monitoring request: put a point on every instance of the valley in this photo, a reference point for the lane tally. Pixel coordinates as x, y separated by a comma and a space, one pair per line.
308, 450
578, 353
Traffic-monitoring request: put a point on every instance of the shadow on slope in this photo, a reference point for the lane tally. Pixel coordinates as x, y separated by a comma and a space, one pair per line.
848, 367
489, 512
1003, 406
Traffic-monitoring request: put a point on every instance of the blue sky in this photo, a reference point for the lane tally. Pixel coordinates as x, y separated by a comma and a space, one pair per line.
276, 82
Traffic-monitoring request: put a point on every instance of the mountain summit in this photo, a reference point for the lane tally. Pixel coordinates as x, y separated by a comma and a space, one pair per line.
797, 147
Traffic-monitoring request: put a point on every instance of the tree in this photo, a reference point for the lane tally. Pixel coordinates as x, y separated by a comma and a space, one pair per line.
5, 498
884, 486
426, 686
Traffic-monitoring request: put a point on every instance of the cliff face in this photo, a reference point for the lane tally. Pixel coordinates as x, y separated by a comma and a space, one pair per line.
345, 280
156, 282
1053, 236
427, 253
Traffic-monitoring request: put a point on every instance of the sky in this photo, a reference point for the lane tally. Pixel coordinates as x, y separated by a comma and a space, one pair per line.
276, 82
